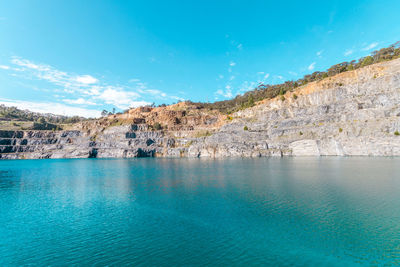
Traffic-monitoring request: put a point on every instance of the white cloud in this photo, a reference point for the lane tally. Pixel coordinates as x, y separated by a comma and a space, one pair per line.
86, 79
4, 67
319, 53
240, 46
28, 64
370, 46
232, 78
86, 89
154, 92
312, 66
141, 85
93, 91
121, 99
293, 73
247, 86
178, 98
280, 77
348, 52
79, 101
232, 64
157, 93
134, 80
48, 73
54, 108
227, 93
264, 76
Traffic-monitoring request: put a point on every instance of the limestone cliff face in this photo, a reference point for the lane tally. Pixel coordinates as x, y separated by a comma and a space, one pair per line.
353, 113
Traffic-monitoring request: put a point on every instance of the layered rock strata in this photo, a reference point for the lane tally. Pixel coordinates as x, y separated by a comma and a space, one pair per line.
353, 113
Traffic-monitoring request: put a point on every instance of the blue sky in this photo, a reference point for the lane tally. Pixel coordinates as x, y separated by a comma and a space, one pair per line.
80, 57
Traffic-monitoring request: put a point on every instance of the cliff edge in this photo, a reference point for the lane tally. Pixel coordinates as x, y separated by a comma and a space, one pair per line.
353, 113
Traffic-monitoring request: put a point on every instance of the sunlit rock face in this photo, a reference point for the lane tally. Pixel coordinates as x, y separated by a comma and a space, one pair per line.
353, 113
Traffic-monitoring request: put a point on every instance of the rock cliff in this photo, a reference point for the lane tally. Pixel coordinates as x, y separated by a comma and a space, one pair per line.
353, 113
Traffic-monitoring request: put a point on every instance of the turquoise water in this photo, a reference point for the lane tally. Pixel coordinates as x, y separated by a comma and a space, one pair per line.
183, 212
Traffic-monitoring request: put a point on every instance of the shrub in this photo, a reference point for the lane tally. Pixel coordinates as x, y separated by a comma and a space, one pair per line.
246, 128
294, 96
340, 130
41, 120
157, 126
202, 134
396, 133
45, 126
188, 144
300, 133
283, 98
367, 61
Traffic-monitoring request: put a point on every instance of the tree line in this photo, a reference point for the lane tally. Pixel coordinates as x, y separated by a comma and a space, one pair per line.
15, 114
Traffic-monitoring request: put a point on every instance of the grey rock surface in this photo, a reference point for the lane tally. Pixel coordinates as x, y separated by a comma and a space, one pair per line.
353, 113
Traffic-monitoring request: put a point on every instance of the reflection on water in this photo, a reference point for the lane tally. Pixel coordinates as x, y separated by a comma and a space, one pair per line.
290, 211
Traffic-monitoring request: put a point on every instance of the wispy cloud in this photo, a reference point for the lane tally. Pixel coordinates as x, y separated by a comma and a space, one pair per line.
87, 89
293, 73
79, 101
232, 64
45, 72
319, 53
86, 79
348, 52
312, 66
4, 67
370, 46
240, 46
260, 78
225, 93
120, 98
155, 92
247, 86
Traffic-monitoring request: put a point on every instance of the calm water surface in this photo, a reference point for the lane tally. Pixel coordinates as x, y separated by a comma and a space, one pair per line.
165, 212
